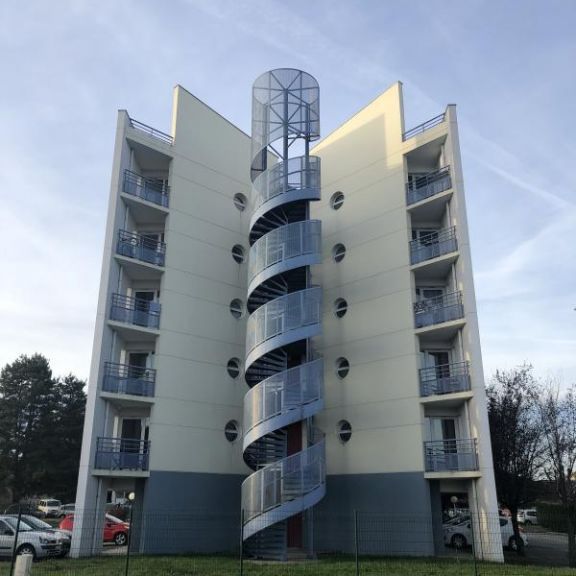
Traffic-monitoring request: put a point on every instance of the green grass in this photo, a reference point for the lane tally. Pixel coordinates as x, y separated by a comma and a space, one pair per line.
229, 566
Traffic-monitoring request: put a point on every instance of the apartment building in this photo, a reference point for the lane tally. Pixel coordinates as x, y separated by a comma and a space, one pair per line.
286, 329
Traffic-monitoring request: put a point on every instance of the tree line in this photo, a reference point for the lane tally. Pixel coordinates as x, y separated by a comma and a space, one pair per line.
533, 433
41, 421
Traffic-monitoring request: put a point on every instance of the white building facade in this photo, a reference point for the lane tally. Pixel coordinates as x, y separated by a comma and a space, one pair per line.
399, 404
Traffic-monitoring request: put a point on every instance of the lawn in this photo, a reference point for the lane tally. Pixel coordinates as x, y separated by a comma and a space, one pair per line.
229, 566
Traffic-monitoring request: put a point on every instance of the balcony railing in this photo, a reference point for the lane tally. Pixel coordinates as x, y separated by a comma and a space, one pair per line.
141, 247
121, 454
429, 185
458, 455
424, 126
149, 189
445, 379
437, 310
152, 131
135, 311
126, 379
433, 245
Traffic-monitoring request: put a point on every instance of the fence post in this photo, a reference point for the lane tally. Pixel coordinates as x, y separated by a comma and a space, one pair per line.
356, 542
242, 542
474, 560
14, 548
129, 538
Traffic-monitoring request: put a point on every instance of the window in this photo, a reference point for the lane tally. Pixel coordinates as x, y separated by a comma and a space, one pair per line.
344, 430
338, 252
337, 200
240, 201
238, 253
236, 308
340, 307
233, 367
231, 430
342, 367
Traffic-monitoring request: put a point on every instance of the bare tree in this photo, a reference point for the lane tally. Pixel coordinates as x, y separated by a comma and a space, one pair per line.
515, 430
558, 415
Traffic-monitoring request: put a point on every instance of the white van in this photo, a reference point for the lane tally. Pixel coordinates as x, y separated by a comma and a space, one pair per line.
49, 507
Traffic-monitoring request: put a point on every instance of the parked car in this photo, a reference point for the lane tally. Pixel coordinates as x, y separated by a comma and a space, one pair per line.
66, 509
27, 507
49, 507
460, 535
63, 536
527, 516
38, 543
115, 530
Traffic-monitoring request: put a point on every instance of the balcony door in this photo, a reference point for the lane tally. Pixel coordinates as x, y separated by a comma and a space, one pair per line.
436, 362
444, 429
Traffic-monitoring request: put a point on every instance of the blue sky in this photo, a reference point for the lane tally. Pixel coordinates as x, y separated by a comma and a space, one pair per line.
69, 65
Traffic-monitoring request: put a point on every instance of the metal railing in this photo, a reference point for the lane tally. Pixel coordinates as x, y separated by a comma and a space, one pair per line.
151, 131
433, 245
283, 481
135, 311
121, 454
424, 126
282, 392
296, 173
456, 455
445, 379
290, 312
149, 189
428, 185
126, 379
437, 310
284, 243
141, 247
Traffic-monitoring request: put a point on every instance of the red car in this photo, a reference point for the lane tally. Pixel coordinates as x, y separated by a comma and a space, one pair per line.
115, 530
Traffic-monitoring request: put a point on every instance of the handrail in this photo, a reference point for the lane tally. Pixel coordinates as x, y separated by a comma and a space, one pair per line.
289, 312
121, 454
450, 299
135, 311
434, 244
148, 189
281, 392
437, 310
158, 134
445, 378
457, 454
424, 126
141, 247
428, 185
127, 379
283, 243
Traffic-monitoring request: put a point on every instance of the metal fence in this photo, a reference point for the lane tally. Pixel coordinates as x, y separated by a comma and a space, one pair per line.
351, 544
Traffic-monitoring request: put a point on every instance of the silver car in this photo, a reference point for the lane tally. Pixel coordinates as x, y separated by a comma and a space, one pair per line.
38, 543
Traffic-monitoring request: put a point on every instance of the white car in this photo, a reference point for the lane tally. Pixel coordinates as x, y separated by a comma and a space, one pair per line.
49, 507
460, 535
527, 516
38, 543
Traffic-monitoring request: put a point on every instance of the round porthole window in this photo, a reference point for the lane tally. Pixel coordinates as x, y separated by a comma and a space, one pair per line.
238, 253
342, 367
236, 308
233, 367
337, 200
231, 430
338, 252
344, 430
340, 307
240, 201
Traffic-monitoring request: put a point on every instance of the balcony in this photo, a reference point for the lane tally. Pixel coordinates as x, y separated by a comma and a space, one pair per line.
429, 185
141, 247
126, 379
118, 454
424, 126
157, 134
457, 455
445, 379
437, 310
149, 189
433, 245
135, 311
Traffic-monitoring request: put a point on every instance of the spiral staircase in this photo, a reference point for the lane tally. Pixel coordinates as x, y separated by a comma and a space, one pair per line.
280, 443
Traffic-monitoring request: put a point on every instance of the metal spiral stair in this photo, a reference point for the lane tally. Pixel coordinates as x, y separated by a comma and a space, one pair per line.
280, 443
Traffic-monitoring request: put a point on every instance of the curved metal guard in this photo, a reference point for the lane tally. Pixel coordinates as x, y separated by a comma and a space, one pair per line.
286, 381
